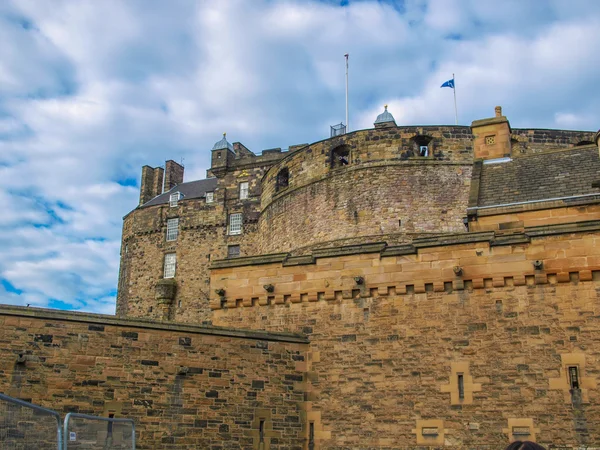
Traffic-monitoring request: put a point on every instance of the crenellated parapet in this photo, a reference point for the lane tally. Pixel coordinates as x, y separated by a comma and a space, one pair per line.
448, 263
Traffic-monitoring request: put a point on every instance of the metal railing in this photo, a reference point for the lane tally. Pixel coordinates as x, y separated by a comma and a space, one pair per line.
25, 426
86, 432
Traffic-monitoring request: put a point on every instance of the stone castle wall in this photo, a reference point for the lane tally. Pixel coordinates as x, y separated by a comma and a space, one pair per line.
365, 204
386, 193
184, 386
387, 348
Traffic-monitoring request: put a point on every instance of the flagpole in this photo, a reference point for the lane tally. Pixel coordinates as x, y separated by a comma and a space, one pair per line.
347, 124
454, 89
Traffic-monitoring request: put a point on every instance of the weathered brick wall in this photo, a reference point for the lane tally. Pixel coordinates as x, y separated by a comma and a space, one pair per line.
375, 146
186, 387
369, 203
386, 353
203, 236
538, 140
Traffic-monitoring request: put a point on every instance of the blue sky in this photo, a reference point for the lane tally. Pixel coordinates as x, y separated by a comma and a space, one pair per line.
92, 90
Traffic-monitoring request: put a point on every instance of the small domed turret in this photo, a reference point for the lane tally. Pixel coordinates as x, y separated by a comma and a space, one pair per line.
385, 119
222, 144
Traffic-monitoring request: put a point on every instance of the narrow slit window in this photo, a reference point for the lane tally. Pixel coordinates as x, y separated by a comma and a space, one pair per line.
244, 190
261, 431
574, 377
461, 386
172, 229
311, 436
235, 223
109, 429
170, 262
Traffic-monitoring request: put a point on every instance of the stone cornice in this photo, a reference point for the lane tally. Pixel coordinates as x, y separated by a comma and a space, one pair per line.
410, 249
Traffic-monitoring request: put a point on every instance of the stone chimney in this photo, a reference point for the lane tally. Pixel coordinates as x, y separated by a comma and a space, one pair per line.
491, 137
173, 175
151, 185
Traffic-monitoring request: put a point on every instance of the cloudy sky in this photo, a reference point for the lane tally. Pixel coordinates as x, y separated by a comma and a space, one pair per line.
92, 90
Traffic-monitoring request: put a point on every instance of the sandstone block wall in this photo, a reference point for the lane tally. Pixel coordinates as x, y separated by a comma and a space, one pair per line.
185, 387
390, 336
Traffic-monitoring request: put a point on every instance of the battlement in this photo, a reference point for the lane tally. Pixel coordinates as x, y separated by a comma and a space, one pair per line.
446, 263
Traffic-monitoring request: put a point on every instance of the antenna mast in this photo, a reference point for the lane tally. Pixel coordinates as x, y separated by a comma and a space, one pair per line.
347, 124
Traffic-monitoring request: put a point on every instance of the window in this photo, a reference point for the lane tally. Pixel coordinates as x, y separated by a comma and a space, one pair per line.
233, 251
243, 190
423, 150
172, 229
174, 198
235, 223
574, 377
210, 197
170, 261
283, 179
461, 386
340, 156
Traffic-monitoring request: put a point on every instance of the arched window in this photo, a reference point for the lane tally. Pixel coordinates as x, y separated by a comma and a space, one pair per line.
283, 179
340, 156
423, 146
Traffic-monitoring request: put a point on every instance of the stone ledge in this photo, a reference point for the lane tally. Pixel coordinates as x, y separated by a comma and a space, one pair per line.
249, 260
410, 249
103, 319
483, 211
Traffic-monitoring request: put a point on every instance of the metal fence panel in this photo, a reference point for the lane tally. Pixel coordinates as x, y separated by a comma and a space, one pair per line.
24, 426
86, 432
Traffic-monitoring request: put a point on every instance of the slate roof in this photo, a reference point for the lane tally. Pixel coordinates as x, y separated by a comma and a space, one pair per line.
192, 189
540, 176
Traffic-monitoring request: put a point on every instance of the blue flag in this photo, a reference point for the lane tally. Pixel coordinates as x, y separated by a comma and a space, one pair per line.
449, 83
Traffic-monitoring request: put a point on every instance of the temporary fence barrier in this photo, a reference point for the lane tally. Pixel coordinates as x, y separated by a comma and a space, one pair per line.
25, 426
86, 432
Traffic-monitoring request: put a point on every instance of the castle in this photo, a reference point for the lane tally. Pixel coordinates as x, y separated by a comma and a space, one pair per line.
395, 287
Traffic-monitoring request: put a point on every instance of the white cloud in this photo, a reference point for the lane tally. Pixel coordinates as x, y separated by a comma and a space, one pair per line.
91, 91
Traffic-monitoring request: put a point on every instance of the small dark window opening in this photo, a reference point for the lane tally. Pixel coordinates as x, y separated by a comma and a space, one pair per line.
150, 309
261, 431
110, 424
422, 146
461, 386
283, 179
219, 155
340, 156
311, 436
233, 251
574, 377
